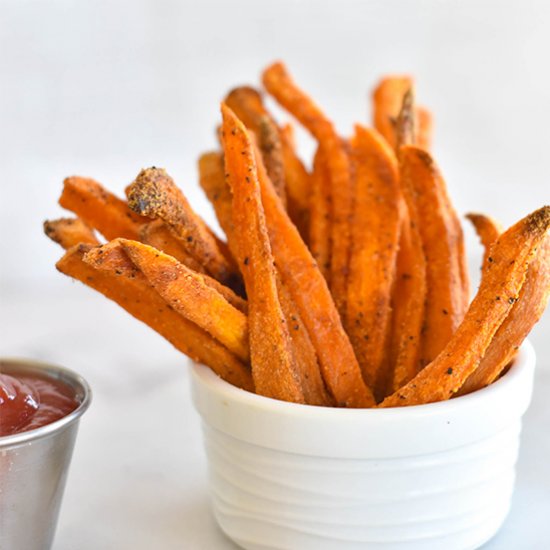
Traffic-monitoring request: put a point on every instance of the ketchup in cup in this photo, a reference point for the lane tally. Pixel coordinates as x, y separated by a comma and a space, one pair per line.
40, 409
29, 402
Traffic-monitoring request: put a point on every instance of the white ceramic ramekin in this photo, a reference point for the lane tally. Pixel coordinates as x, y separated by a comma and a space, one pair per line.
298, 477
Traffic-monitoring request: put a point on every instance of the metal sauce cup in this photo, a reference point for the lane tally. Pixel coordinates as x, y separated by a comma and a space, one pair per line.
34, 465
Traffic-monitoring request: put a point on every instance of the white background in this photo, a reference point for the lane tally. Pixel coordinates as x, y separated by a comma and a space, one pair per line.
105, 88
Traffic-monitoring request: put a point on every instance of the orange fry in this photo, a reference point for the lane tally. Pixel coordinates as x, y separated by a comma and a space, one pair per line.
158, 235
190, 295
247, 104
488, 231
406, 306
409, 295
524, 315
440, 234
314, 389
297, 182
406, 123
307, 287
100, 209
498, 292
273, 366
424, 127
387, 101
126, 285
234, 299
69, 232
375, 234
223, 247
319, 221
462, 266
154, 194
409, 292
212, 180
279, 83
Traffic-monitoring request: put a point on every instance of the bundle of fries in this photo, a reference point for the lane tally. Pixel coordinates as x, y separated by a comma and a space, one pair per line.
346, 285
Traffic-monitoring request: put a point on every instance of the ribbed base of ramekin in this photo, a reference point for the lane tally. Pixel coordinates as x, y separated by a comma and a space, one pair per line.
430, 477
265, 499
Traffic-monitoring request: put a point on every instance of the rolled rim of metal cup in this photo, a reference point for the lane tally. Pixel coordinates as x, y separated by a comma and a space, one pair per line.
82, 393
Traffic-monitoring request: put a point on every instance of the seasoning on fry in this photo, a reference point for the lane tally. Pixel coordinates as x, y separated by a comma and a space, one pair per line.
273, 365
511, 255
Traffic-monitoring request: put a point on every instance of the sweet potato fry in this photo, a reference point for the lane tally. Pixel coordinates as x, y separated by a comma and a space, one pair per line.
297, 183
111, 258
269, 141
234, 299
247, 104
408, 297
524, 314
223, 247
409, 294
387, 103
307, 287
424, 127
69, 232
488, 231
413, 125
107, 255
411, 285
126, 285
498, 292
375, 234
273, 366
315, 392
158, 235
406, 131
212, 180
100, 209
154, 194
406, 122
462, 266
279, 83
440, 233
190, 295
387, 100
319, 221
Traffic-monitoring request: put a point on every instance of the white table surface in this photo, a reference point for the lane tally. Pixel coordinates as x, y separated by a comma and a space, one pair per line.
138, 478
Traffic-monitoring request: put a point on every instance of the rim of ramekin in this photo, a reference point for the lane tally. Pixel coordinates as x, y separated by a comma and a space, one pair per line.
523, 361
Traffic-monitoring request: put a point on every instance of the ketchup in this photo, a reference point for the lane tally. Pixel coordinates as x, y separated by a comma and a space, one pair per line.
30, 402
